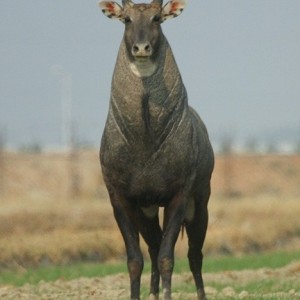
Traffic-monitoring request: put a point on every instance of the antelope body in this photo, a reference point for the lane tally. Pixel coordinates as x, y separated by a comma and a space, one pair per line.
155, 151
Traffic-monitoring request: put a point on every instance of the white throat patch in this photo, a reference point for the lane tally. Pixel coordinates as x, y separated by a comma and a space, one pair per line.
143, 68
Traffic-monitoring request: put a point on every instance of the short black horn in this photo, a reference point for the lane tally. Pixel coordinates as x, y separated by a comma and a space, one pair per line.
125, 2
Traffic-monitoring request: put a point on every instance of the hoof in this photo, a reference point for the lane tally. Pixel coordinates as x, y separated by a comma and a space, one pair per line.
201, 295
153, 297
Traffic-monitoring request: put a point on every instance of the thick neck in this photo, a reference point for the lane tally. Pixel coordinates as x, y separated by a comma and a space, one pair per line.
147, 107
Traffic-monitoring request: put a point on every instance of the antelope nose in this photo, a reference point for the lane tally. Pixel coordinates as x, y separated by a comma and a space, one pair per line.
141, 49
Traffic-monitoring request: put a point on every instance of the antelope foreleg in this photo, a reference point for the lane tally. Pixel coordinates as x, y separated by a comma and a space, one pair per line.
125, 216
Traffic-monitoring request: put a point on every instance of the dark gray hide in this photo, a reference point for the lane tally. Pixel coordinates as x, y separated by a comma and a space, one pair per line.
155, 152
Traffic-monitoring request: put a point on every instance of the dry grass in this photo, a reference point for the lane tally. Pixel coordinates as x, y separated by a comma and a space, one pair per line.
54, 175
253, 224
35, 232
42, 224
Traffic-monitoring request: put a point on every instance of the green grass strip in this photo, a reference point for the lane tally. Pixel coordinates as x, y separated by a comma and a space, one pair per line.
211, 264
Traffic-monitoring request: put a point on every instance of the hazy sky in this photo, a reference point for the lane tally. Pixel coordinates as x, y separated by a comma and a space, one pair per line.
240, 61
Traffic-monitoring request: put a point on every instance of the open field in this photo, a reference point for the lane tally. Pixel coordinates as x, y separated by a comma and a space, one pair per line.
64, 175
43, 223
55, 212
263, 283
37, 232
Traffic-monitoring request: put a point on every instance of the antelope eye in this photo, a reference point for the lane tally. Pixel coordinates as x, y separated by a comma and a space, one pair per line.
156, 18
127, 19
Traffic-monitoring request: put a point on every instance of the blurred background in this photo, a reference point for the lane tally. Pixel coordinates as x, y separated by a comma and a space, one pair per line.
240, 61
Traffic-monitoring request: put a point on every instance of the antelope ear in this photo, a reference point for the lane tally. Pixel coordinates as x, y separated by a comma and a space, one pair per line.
111, 9
173, 9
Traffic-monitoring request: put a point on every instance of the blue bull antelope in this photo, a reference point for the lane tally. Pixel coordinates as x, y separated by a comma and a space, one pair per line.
155, 151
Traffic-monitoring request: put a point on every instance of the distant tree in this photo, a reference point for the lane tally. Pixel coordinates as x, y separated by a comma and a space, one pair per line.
2, 139
2, 160
74, 172
226, 146
251, 145
297, 148
226, 151
33, 147
272, 148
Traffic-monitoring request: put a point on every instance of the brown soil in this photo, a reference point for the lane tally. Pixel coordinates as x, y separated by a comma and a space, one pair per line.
116, 287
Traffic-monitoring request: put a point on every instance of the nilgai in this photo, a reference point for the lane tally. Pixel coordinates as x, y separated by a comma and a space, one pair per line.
155, 151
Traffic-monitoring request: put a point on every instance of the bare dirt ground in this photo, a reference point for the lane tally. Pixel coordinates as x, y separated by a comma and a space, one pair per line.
116, 287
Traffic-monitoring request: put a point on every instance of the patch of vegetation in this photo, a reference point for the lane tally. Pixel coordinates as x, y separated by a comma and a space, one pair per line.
89, 270
67, 272
254, 261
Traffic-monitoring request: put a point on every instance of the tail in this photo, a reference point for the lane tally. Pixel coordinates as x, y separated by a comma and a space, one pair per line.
182, 231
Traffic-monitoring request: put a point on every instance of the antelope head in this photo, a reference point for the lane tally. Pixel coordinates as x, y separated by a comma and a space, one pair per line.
142, 24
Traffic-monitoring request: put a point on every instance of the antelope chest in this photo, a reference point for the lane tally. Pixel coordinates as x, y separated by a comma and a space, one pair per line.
143, 174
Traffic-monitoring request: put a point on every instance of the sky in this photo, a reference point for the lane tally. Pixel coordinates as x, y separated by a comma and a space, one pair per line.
239, 59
